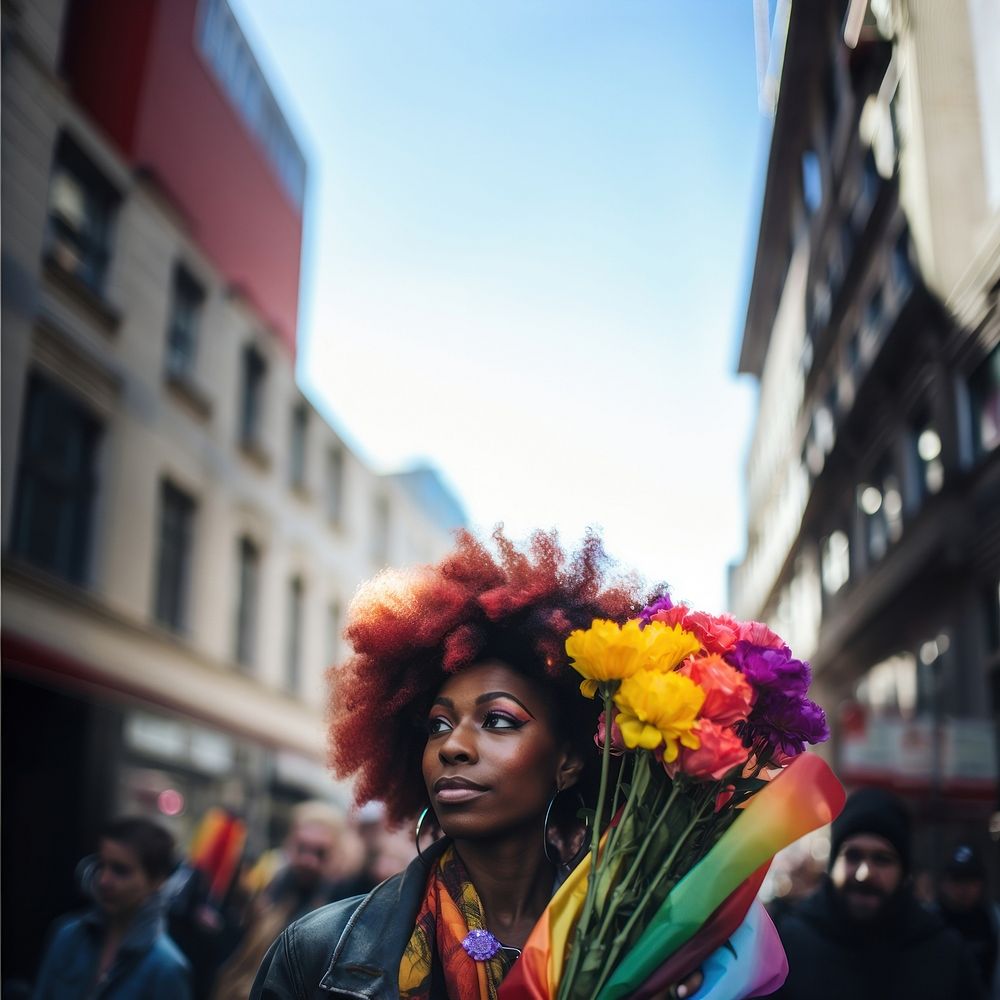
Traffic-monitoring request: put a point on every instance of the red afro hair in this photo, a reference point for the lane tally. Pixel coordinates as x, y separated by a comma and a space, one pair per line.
410, 629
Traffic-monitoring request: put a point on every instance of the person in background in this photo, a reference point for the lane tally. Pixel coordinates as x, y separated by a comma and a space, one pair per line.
120, 950
963, 905
862, 934
312, 875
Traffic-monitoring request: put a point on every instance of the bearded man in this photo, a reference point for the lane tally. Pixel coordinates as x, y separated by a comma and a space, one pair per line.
862, 935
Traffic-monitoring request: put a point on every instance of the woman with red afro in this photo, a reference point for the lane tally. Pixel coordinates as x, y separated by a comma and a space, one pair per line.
458, 706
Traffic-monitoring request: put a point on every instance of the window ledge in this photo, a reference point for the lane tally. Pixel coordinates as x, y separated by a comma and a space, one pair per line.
189, 393
96, 305
256, 453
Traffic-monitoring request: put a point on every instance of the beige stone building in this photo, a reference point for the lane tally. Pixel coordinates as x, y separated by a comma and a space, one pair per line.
182, 528
873, 479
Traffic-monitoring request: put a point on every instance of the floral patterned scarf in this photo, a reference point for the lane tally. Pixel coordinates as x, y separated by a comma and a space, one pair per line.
434, 953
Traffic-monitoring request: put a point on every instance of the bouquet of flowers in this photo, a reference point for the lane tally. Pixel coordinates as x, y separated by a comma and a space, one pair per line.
707, 719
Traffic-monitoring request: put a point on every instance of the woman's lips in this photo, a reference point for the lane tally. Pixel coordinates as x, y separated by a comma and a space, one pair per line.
455, 793
453, 790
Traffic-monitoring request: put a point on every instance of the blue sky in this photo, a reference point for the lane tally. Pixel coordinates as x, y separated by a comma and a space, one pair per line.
529, 231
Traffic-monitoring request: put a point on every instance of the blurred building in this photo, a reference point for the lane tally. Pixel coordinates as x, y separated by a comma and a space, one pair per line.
182, 529
873, 479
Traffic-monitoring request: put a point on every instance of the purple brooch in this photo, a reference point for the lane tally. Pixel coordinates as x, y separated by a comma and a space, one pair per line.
481, 945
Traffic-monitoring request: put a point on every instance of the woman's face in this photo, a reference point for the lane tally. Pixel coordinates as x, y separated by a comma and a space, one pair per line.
492, 759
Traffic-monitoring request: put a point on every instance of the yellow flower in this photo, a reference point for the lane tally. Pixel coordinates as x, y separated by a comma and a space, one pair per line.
659, 708
671, 646
609, 652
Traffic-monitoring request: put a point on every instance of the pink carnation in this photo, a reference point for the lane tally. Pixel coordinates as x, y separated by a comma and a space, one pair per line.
717, 633
758, 634
617, 743
671, 616
721, 750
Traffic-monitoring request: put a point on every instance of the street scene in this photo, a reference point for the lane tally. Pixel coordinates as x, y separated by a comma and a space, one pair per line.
376, 378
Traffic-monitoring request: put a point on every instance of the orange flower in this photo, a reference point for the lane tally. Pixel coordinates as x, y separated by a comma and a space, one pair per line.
728, 694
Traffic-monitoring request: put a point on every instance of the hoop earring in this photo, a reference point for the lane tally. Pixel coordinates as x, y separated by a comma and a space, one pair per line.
545, 829
417, 831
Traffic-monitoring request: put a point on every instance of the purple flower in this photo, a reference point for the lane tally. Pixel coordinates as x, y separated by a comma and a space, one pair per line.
770, 669
786, 722
660, 604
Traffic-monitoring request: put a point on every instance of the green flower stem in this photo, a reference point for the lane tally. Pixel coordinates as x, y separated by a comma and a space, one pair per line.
622, 937
613, 848
624, 884
595, 843
618, 790
637, 785
647, 840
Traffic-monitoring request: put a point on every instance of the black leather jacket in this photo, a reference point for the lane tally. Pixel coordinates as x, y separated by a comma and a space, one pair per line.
351, 948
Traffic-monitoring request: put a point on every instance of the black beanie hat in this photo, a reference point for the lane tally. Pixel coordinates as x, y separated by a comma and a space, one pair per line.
873, 810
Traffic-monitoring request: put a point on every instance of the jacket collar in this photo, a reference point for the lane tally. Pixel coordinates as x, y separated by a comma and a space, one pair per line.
147, 925
365, 961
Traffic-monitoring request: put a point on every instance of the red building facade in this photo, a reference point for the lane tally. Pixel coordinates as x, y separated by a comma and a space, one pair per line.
176, 87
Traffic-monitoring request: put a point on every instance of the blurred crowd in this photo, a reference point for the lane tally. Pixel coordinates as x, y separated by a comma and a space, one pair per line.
198, 928
868, 924
157, 927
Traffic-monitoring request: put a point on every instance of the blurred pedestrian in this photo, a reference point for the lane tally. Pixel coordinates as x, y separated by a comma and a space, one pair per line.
964, 905
120, 949
310, 876
862, 934
206, 908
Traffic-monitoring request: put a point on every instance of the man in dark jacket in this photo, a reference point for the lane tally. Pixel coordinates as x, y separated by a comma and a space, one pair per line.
862, 935
964, 905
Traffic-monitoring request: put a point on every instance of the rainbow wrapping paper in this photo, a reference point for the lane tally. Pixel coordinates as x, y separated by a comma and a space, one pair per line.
754, 967
801, 798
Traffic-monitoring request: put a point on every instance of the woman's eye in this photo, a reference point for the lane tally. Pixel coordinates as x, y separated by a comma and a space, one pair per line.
501, 720
437, 725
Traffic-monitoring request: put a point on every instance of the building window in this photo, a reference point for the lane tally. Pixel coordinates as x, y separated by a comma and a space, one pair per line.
380, 530
824, 428
874, 319
880, 502
252, 399
173, 562
82, 205
248, 584
57, 482
852, 355
334, 623
834, 270
297, 458
901, 265
891, 687
821, 304
867, 193
335, 485
984, 396
926, 449
846, 241
293, 636
812, 181
835, 559
185, 315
